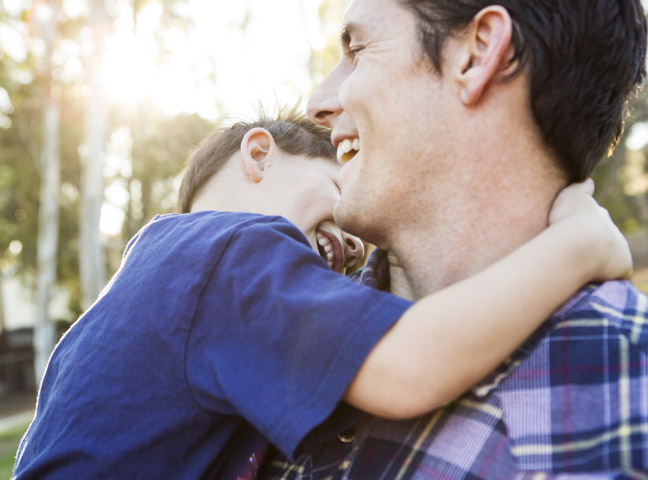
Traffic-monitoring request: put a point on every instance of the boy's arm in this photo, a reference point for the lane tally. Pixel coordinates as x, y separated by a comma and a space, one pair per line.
451, 339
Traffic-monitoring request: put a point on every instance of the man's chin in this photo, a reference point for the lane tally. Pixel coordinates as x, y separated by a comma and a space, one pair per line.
353, 219
343, 217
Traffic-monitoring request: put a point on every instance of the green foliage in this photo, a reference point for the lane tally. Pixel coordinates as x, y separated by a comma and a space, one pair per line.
20, 174
614, 175
321, 62
160, 146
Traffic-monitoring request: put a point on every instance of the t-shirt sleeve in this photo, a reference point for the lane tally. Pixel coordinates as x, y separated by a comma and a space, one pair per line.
278, 336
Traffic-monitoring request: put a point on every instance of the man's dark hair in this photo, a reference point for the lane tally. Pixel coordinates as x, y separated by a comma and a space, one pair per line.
584, 59
292, 131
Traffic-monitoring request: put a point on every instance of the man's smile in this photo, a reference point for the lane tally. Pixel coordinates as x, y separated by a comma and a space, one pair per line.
347, 149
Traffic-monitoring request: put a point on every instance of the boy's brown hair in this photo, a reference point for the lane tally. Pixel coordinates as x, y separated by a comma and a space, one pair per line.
292, 131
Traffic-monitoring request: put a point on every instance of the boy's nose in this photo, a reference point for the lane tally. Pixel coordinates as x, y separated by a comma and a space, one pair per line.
353, 250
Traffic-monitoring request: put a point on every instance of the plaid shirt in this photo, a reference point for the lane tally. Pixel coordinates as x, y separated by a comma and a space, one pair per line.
570, 404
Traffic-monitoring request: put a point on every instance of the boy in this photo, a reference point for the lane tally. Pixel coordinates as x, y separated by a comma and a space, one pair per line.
225, 317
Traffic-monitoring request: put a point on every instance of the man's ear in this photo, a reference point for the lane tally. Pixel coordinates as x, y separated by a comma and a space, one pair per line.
484, 53
256, 145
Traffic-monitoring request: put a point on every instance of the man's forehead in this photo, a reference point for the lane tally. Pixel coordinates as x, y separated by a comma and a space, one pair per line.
357, 12
354, 22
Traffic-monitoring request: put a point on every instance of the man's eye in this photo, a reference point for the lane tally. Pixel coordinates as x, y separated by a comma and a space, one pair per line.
352, 51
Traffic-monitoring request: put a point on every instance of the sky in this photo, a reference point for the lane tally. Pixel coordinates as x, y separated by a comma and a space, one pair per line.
265, 61
215, 67
212, 61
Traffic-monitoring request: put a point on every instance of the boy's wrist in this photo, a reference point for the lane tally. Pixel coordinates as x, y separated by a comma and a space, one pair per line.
584, 246
600, 252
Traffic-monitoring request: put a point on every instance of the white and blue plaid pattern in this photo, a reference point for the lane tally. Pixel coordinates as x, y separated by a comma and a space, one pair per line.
571, 404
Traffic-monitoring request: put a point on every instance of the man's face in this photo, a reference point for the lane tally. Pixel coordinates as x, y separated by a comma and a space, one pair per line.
384, 99
304, 190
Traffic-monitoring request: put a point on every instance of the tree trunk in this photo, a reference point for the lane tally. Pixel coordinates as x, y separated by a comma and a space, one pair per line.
48, 210
3, 324
91, 250
48, 214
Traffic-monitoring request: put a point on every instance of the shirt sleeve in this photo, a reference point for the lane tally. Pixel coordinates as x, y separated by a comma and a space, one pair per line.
278, 336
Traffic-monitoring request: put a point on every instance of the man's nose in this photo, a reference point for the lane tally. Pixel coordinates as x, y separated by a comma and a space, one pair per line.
353, 250
323, 105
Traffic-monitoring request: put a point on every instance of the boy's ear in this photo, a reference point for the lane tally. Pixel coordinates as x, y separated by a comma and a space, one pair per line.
256, 145
485, 52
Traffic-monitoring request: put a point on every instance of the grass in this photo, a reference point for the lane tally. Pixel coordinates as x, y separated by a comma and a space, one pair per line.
9, 440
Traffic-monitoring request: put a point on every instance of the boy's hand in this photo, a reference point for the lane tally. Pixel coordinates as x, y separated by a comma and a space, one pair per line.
591, 225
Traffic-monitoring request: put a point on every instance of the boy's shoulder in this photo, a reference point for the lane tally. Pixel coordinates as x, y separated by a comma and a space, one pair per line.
213, 218
216, 221
209, 232
207, 226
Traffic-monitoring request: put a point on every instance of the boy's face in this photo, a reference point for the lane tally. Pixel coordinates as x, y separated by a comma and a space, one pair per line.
305, 191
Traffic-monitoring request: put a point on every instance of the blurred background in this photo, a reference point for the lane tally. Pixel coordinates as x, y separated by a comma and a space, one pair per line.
101, 102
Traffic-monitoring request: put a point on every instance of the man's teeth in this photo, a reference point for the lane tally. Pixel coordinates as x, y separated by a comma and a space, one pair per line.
325, 243
347, 149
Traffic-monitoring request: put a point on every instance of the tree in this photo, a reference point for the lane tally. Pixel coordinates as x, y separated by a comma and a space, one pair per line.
91, 251
322, 62
50, 184
160, 145
628, 207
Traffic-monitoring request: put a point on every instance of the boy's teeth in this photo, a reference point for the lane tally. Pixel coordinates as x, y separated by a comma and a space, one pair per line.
356, 144
326, 248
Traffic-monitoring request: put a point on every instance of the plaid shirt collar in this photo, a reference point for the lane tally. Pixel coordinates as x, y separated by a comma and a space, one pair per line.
375, 272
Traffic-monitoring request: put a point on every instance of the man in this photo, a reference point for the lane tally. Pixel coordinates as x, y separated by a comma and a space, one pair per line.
460, 121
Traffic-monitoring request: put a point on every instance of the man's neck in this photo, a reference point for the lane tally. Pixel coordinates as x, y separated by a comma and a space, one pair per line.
494, 195
466, 233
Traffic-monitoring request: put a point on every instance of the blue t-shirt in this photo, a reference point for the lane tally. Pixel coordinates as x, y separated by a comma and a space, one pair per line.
212, 318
